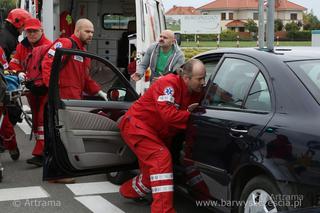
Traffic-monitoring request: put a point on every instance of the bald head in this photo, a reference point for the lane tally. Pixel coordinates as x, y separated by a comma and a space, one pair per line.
84, 30
166, 40
194, 73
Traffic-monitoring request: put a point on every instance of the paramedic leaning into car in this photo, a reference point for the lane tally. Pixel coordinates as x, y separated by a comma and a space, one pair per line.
148, 127
8, 41
35, 38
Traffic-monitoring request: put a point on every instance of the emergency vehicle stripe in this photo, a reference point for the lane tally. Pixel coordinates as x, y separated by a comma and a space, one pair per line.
145, 189
159, 189
40, 128
163, 176
134, 186
193, 181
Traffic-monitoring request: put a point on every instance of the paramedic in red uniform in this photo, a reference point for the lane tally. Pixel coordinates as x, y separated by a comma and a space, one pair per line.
149, 126
35, 38
74, 76
13, 27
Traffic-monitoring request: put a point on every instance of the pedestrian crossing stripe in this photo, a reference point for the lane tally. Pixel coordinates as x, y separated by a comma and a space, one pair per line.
91, 203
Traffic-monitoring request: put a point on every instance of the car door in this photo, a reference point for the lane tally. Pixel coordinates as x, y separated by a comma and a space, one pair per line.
81, 136
236, 108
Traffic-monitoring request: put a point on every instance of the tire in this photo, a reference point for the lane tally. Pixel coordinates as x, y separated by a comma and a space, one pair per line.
119, 178
253, 193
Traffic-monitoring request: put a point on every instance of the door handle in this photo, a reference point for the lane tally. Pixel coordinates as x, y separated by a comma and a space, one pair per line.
237, 133
243, 131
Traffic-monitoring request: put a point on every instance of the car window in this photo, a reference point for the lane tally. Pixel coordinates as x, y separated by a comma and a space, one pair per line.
231, 83
259, 95
309, 73
210, 68
101, 73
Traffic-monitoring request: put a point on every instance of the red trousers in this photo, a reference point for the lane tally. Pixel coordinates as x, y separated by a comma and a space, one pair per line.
7, 133
155, 168
37, 104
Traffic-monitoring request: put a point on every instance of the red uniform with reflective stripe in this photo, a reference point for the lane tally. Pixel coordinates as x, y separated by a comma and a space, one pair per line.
36, 103
7, 133
22, 50
74, 76
147, 128
3, 59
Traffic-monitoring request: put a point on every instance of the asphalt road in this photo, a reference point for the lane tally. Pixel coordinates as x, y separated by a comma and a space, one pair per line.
22, 190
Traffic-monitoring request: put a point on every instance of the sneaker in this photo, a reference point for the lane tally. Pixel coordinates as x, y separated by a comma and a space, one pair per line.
36, 160
63, 180
14, 154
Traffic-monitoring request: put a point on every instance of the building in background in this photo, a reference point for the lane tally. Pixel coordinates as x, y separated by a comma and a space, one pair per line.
234, 13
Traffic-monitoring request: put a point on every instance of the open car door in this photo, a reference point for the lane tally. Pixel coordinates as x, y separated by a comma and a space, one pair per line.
81, 136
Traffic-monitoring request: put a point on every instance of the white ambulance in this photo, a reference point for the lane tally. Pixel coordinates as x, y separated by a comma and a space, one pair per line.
123, 28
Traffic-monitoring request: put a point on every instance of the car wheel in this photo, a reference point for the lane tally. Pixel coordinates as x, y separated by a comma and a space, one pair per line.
261, 195
119, 178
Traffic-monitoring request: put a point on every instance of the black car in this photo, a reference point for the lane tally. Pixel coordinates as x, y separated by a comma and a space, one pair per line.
252, 145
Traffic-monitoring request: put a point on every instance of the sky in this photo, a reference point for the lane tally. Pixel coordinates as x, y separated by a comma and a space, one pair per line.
309, 4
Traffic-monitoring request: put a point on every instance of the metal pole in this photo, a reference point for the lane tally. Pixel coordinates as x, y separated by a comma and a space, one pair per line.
261, 24
270, 25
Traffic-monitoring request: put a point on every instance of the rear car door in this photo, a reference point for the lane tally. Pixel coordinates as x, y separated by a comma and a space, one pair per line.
236, 108
81, 136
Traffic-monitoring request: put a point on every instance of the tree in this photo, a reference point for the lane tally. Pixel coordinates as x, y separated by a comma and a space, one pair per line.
292, 27
278, 25
310, 21
251, 26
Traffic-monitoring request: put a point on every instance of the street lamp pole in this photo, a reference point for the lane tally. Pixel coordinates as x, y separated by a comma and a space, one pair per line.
261, 24
270, 25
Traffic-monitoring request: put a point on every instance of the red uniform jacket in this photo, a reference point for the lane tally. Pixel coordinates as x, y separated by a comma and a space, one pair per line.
22, 50
74, 76
162, 110
3, 59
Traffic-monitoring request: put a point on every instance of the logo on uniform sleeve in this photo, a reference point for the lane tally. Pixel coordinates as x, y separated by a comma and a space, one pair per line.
168, 91
58, 45
78, 58
168, 95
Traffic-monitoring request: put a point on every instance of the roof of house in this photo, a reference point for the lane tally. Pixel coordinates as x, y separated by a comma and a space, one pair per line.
248, 4
182, 11
235, 23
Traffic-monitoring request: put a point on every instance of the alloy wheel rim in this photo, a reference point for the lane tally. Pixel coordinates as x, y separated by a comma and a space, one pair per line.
260, 201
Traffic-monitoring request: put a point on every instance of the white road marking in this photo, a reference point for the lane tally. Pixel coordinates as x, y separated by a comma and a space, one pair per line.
98, 204
21, 193
93, 188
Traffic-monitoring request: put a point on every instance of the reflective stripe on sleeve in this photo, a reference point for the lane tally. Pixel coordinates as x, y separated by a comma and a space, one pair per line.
40, 128
134, 186
160, 189
163, 176
143, 186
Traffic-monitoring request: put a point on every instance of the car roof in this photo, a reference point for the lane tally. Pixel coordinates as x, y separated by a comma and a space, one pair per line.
281, 53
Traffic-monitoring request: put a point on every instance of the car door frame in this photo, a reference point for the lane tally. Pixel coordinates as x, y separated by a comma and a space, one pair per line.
56, 163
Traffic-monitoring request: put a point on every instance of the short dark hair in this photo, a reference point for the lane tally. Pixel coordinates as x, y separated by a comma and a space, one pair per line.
187, 67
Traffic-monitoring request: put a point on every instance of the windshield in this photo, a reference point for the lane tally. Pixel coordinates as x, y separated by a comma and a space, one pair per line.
309, 74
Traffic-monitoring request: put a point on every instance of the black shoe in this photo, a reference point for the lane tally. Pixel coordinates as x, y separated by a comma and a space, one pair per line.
36, 160
14, 154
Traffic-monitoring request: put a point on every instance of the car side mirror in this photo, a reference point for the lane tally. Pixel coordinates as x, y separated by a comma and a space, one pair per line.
178, 38
116, 94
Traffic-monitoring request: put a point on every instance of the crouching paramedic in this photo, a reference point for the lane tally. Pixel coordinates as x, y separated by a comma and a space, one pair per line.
13, 27
35, 38
149, 126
